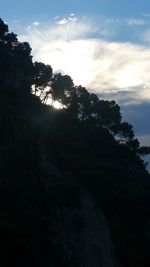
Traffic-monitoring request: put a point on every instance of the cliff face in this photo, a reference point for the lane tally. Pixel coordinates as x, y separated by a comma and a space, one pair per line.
82, 234
50, 199
79, 231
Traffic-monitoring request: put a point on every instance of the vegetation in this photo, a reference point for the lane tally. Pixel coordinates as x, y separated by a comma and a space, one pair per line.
47, 156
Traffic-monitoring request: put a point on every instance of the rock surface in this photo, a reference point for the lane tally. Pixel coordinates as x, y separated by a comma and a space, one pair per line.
83, 236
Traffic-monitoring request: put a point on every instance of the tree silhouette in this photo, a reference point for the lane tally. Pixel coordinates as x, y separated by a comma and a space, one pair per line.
61, 86
15, 65
42, 76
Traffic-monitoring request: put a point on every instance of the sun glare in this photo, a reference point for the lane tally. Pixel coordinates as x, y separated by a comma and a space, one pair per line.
56, 104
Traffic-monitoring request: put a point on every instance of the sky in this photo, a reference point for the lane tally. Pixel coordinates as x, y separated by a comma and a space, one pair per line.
102, 44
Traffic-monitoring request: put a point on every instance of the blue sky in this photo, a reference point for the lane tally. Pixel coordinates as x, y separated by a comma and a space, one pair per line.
45, 10
102, 44
32, 8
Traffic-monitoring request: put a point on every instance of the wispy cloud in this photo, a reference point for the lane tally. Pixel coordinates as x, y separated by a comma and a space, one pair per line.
136, 22
70, 18
36, 23
106, 67
62, 21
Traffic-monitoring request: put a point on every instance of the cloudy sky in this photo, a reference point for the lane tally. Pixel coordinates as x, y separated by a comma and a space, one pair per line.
102, 44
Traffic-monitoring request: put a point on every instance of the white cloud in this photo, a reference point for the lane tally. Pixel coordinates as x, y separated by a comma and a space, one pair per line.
136, 22
70, 18
146, 36
62, 21
103, 66
36, 23
73, 19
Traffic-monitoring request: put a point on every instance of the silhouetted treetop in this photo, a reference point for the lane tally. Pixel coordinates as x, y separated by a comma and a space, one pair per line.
15, 65
3, 29
61, 86
42, 75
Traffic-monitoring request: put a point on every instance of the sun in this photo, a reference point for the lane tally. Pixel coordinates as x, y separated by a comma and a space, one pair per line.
56, 104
